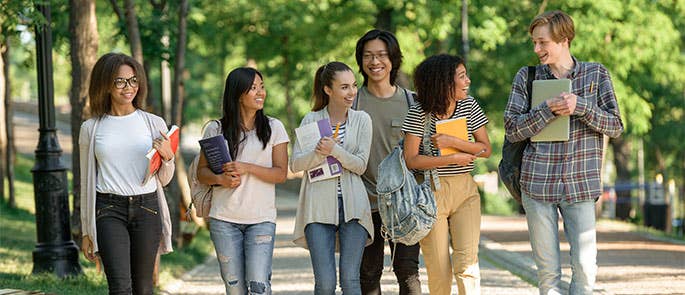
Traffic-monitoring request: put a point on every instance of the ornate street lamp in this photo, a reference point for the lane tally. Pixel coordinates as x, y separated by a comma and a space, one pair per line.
55, 251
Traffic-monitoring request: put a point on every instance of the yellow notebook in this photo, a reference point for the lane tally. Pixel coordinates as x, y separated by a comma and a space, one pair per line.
454, 127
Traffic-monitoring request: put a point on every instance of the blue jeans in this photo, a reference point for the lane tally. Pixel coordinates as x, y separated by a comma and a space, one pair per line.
245, 253
579, 227
321, 240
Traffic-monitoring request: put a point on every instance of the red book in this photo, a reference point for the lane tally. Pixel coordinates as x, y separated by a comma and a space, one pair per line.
154, 157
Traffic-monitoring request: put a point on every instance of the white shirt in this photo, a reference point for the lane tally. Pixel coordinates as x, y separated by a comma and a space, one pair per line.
121, 143
254, 201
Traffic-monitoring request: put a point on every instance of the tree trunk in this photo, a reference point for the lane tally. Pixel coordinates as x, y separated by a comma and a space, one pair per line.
289, 111
177, 194
622, 152
3, 116
384, 19
84, 48
464, 30
9, 156
133, 30
178, 88
128, 16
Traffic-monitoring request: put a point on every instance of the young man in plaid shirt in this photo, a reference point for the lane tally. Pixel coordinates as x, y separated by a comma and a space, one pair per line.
562, 176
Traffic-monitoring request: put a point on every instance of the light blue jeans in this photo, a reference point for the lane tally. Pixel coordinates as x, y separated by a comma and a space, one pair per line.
579, 228
321, 239
245, 253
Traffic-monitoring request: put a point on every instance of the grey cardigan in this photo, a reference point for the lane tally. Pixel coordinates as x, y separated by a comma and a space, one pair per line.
319, 200
89, 178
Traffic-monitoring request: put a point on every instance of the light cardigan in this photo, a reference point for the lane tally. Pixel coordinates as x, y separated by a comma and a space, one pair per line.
89, 178
319, 200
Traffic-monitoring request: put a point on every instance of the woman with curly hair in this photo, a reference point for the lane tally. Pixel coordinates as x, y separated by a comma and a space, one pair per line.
442, 86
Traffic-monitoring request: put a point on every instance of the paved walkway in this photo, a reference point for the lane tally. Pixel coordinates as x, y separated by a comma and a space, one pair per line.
292, 271
629, 262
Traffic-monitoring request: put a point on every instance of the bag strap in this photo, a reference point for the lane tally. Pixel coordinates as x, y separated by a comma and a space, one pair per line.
410, 99
431, 174
529, 85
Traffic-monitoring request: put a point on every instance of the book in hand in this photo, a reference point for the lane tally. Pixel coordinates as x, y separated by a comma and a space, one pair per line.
155, 159
455, 127
307, 137
216, 152
557, 129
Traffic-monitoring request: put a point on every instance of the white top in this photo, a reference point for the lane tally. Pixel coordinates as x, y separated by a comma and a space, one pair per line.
121, 143
87, 162
254, 201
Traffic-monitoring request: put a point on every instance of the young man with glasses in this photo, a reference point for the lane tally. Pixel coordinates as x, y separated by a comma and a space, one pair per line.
379, 59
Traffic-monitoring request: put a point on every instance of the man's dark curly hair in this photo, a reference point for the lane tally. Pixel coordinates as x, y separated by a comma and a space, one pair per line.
434, 82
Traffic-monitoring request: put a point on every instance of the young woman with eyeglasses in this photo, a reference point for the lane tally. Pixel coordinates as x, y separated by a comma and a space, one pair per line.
124, 218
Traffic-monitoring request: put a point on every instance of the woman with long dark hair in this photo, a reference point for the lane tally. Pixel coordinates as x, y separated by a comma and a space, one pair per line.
124, 216
442, 85
334, 213
243, 213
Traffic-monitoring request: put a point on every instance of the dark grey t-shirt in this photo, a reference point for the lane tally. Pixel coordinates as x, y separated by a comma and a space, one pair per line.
387, 115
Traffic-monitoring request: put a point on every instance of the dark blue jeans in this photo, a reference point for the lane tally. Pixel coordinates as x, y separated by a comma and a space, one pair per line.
405, 264
129, 230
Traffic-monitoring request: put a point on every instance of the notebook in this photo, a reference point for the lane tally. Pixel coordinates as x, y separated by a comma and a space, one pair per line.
557, 129
454, 127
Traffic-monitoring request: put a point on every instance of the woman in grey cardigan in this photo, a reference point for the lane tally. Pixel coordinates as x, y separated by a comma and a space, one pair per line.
124, 215
334, 214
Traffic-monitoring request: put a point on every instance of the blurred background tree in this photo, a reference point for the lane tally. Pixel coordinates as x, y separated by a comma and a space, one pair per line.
642, 43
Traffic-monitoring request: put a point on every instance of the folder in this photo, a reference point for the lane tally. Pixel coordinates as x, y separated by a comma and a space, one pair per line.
558, 128
455, 127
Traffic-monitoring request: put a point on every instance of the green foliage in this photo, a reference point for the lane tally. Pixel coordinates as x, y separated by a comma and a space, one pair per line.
640, 43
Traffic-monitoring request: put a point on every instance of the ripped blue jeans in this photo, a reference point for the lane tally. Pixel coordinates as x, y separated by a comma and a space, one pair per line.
245, 253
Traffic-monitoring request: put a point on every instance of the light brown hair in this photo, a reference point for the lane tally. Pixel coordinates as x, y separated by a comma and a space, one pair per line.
324, 77
102, 82
560, 25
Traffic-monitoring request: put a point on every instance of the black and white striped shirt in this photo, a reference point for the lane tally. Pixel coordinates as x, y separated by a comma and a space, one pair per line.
340, 137
468, 107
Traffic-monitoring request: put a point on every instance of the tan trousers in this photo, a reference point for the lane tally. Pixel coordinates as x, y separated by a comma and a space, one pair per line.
458, 225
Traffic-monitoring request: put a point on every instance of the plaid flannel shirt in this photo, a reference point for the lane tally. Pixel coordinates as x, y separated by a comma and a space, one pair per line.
564, 171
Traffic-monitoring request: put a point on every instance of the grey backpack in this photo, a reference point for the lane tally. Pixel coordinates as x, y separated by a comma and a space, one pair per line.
407, 209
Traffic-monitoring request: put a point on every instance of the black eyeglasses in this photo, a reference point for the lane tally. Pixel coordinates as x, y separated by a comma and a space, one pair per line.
120, 83
383, 56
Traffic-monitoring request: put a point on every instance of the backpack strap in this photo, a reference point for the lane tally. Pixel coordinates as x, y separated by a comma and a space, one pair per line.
431, 174
529, 85
355, 104
410, 99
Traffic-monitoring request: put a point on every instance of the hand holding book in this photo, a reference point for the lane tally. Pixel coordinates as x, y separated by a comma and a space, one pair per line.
162, 148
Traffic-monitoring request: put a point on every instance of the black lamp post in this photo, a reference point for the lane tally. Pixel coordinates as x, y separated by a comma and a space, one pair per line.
55, 251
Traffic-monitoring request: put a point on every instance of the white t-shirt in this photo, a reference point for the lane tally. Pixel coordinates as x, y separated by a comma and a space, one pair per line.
254, 201
121, 143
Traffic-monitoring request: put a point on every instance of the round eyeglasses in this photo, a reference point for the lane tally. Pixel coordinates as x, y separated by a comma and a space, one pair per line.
120, 83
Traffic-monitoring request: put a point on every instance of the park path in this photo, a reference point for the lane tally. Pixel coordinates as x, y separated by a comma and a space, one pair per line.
292, 271
629, 262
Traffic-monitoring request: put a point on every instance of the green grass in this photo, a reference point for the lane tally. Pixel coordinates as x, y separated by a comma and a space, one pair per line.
18, 240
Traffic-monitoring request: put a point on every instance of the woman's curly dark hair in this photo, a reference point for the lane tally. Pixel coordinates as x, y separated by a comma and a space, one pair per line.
434, 82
